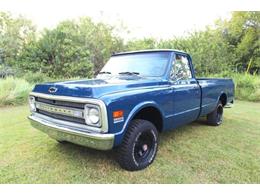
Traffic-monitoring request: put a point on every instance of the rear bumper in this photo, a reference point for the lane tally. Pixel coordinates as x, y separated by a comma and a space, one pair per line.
65, 133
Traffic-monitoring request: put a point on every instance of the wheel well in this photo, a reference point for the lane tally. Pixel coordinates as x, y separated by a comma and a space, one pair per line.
151, 114
223, 99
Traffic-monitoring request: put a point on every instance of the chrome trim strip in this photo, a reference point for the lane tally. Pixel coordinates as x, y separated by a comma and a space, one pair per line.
66, 133
100, 103
67, 98
67, 111
79, 127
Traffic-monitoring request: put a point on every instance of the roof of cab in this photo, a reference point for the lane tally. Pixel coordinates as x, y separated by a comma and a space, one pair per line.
149, 51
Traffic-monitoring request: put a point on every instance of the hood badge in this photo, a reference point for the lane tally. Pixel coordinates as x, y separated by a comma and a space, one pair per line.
52, 89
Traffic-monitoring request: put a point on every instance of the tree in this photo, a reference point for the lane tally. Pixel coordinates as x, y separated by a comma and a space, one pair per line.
15, 33
242, 33
141, 44
80, 48
74, 48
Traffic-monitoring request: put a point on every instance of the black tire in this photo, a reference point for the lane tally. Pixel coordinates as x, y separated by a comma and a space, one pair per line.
215, 118
139, 146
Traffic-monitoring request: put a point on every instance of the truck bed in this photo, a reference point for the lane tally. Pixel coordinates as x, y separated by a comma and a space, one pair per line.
211, 88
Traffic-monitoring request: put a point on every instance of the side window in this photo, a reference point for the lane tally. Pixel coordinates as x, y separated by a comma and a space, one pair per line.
180, 69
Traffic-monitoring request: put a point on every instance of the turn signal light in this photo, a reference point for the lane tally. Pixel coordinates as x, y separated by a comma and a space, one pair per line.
118, 114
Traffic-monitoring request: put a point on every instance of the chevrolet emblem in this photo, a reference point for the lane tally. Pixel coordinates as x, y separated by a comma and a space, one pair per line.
52, 89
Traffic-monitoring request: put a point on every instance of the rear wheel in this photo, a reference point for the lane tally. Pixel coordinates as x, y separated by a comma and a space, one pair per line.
215, 118
139, 146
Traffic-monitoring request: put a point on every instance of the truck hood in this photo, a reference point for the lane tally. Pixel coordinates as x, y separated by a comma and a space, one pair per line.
95, 88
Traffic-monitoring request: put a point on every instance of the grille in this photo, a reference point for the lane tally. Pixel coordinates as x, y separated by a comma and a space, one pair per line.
61, 104
62, 117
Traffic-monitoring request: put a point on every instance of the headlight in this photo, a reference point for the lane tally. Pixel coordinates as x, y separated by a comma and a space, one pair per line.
92, 115
32, 104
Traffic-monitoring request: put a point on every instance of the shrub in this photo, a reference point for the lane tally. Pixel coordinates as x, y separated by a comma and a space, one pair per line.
6, 71
36, 77
247, 86
14, 91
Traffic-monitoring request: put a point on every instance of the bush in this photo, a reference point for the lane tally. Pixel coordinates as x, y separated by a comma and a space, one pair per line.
247, 87
36, 77
6, 71
73, 48
14, 91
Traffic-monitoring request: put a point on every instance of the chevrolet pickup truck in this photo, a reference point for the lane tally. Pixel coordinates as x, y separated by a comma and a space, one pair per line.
136, 96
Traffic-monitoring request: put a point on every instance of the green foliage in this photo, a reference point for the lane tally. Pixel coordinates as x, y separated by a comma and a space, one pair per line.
73, 48
37, 77
247, 87
14, 34
142, 44
228, 46
79, 48
242, 33
208, 50
58, 52
6, 71
14, 91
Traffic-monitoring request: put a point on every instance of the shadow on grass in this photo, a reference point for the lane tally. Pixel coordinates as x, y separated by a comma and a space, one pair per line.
78, 152
86, 155
166, 137
69, 148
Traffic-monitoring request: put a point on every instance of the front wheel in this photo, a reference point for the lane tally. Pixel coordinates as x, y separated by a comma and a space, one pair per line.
215, 118
139, 146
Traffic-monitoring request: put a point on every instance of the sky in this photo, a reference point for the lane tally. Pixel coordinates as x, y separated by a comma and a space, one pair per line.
159, 19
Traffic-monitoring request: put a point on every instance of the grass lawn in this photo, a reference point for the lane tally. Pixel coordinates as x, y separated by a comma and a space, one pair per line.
195, 153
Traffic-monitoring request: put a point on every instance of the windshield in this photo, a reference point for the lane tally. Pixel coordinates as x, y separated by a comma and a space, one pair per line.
144, 64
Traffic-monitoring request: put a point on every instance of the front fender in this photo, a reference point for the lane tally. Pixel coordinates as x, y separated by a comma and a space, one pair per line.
119, 135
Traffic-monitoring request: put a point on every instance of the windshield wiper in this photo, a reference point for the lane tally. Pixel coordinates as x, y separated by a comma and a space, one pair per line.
129, 73
104, 72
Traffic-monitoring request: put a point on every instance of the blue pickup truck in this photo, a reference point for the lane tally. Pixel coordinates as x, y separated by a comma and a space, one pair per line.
136, 96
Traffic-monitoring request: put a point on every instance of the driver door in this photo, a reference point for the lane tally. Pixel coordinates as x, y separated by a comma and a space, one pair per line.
185, 92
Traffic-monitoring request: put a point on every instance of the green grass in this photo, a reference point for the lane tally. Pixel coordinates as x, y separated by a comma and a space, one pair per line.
14, 91
195, 153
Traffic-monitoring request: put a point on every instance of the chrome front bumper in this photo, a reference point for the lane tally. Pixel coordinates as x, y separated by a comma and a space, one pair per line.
71, 134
